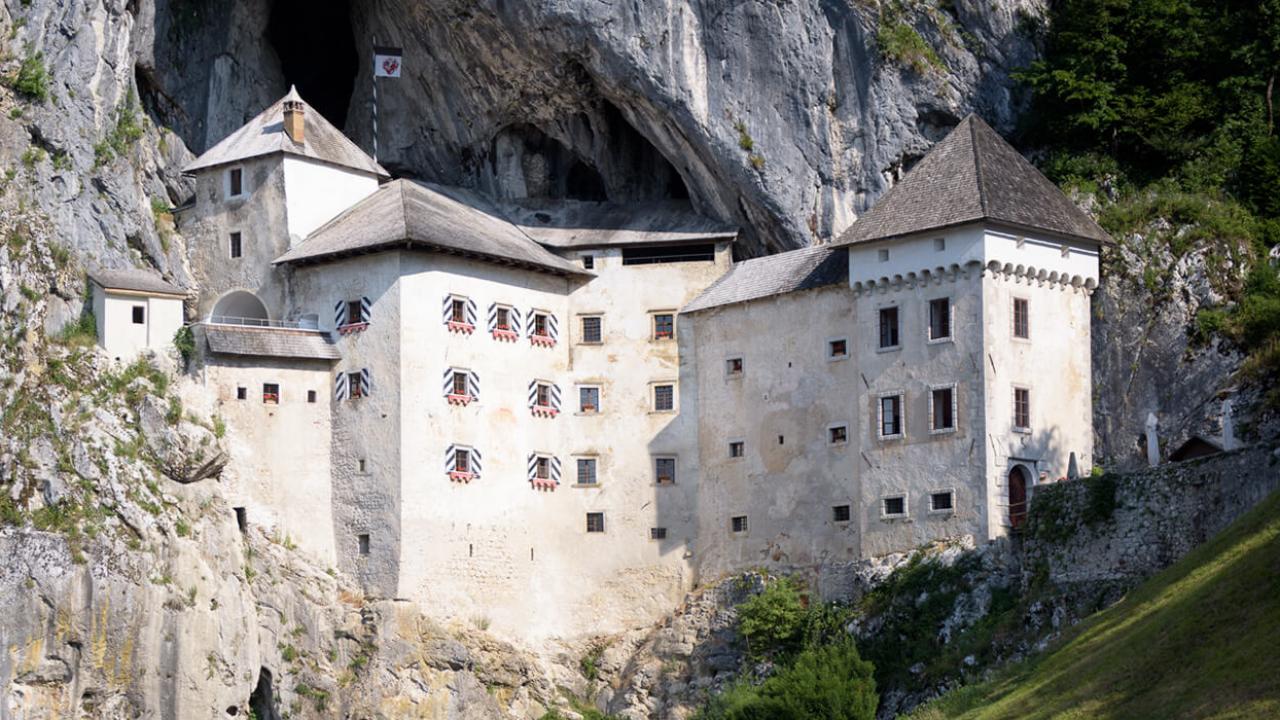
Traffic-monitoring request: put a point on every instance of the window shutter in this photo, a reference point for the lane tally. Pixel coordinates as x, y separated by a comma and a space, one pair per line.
555, 397
366, 383
492, 322
340, 387
514, 314
533, 393
366, 310
552, 329
448, 381
555, 469
473, 384
451, 459
340, 313
533, 466
475, 462
448, 309
471, 312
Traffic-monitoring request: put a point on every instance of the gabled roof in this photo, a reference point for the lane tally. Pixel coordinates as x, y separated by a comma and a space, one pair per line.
135, 280
265, 135
803, 269
269, 342
405, 213
972, 175
581, 224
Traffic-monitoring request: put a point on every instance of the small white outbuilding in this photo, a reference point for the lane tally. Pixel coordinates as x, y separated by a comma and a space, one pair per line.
136, 310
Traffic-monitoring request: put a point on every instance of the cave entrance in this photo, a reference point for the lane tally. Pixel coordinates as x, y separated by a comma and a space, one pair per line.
317, 52
262, 703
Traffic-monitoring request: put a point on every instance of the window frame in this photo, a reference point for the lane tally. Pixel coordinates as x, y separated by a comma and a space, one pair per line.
740, 445
950, 336
1013, 319
242, 392
312, 396
1013, 418
542, 395
268, 396
540, 317
848, 512
582, 327
739, 525
653, 325
830, 343
844, 426
594, 460
884, 507
600, 527
653, 397
599, 402
950, 492
729, 371
236, 172
235, 244
897, 328
675, 470
588, 262
955, 409
355, 388
901, 430
138, 314
657, 533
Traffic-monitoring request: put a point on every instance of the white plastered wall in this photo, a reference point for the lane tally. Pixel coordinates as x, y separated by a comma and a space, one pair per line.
316, 192
120, 337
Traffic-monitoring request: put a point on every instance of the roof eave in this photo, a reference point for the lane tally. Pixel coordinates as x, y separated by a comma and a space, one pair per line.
408, 244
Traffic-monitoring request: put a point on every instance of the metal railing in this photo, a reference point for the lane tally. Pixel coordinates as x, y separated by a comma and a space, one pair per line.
306, 324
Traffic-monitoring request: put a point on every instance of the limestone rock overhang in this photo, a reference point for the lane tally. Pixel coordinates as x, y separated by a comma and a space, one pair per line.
973, 175
265, 135
791, 271
579, 224
409, 215
272, 342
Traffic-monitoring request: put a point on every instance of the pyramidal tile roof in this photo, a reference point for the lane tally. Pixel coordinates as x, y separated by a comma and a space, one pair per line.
265, 135
785, 272
406, 213
972, 175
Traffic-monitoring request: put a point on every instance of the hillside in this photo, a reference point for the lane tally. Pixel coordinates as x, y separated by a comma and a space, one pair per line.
1195, 641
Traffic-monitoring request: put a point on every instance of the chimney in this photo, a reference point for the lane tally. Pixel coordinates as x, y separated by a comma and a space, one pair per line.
294, 117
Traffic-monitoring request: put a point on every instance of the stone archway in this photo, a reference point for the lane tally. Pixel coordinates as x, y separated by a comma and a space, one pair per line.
240, 307
1018, 483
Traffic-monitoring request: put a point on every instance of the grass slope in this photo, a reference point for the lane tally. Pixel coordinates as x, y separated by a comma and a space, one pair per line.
1199, 640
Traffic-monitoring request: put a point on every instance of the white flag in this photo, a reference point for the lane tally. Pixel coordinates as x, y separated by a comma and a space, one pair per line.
386, 61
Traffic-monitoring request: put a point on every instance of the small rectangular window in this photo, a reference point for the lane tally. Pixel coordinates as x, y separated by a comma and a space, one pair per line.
311, 396
664, 470
542, 398
840, 513
461, 460
363, 542
588, 262
664, 398
460, 383
355, 312
738, 523
540, 325
595, 522
658, 533
837, 434
733, 366
883, 254
588, 399
664, 326
236, 249
942, 409
457, 311
235, 182
1021, 409
837, 349
942, 501
940, 319
503, 319
888, 328
360, 465
586, 471
939, 244
242, 393
139, 314
1021, 319
542, 467
737, 448
354, 386
651, 254
591, 332
271, 393
895, 506
890, 416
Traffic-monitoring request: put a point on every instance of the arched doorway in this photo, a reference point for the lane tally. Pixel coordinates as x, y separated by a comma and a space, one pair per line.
1017, 497
240, 308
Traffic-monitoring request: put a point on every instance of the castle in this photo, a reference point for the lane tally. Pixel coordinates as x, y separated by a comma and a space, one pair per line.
560, 416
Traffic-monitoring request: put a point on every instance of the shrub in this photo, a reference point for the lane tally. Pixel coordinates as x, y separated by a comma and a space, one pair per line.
82, 331
32, 80
830, 682
900, 43
773, 621
184, 340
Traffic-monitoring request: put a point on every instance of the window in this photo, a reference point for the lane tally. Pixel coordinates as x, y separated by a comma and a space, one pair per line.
542, 467
944, 501
939, 244
589, 262
588, 399
883, 254
355, 384
891, 416
271, 393
894, 506
311, 396
242, 393
664, 398
460, 383
355, 312
940, 319
888, 328
1021, 319
1021, 409
649, 255
591, 332
139, 314
361, 465
595, 522
838, 434
737, 448
363, 542
942, 408
738, 523
543, 395
664, 470
733, 367
236, 249
837, 349
235, 182
840, 513
657, 533
457, 311
461, 460
664, 326
540, 325
502, 319
586, 471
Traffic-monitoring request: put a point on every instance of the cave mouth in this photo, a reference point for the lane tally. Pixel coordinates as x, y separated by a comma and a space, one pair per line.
317, 52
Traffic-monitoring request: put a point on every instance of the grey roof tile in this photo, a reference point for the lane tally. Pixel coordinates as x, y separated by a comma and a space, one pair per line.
579, 224
407, 213
803, 269
269, 342
136, 280
265, 135
972, 175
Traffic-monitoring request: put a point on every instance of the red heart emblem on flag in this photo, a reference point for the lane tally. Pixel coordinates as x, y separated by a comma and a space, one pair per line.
390, 65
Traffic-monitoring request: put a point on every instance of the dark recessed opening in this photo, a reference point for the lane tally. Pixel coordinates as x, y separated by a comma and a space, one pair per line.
262, 703
242, 520
317, 52
585, 183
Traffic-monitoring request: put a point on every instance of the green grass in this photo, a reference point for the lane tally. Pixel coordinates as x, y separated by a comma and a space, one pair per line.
1198, 640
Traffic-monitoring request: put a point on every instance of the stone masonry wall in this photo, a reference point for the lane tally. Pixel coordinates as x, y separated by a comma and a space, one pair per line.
1116, 530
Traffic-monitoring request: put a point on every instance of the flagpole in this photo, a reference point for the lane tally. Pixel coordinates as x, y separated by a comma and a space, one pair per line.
374, 67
